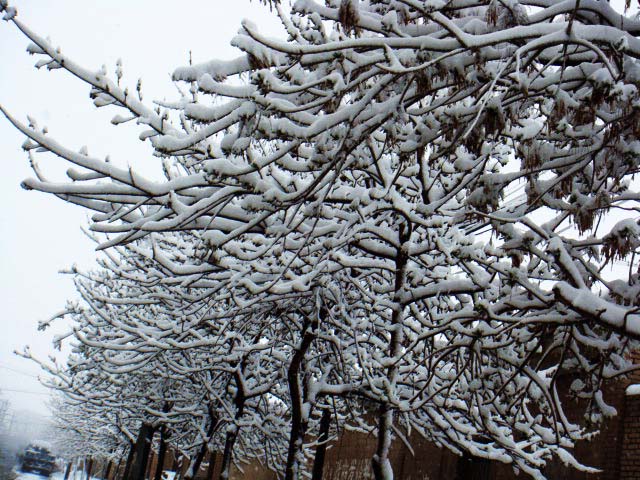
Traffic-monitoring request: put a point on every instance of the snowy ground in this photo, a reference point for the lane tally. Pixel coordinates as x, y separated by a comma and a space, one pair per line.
33, 476
18, 475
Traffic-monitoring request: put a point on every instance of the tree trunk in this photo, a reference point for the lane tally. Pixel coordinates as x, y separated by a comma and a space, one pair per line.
183, 466
380, 462
195, 465
140, 454
162, 453
177, 463
116, 471
232, 434
227, 455
67, 472
212, 465
298, 420
162, 449
127, 465
107, 474
89, 468
321, 449
150, 462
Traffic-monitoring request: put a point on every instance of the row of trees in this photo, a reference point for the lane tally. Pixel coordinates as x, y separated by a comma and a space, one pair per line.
397, 219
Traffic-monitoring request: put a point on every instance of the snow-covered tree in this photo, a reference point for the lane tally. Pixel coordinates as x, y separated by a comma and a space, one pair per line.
429, 189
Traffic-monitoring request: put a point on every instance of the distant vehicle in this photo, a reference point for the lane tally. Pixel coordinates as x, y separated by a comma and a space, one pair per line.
38, 458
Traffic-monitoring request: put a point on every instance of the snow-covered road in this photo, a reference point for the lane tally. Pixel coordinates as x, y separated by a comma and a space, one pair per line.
33, 476
56, 476
18, 475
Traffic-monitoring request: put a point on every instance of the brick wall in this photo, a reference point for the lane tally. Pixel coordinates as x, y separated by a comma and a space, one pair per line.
616, 451
349, 458
630, 445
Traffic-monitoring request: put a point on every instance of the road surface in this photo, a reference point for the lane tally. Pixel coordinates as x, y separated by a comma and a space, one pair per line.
18, 475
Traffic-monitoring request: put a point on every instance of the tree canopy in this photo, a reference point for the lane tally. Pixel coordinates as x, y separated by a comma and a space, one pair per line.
401, 213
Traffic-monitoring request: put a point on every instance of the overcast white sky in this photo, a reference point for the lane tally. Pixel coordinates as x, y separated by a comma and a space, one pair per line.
40, 234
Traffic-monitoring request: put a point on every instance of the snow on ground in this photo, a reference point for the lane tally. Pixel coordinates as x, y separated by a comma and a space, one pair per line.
56, 476
18, 475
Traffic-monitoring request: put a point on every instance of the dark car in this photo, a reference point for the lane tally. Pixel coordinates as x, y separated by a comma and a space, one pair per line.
37, 458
